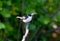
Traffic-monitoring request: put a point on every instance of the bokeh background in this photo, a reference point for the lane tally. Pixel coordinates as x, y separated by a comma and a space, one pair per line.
45, 25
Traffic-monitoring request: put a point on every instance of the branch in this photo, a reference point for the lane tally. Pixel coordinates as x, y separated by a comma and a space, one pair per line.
18, 31
23, 6
22, 9
26, 33
5, 36
44, 9
35, 33
55, 27
55, 12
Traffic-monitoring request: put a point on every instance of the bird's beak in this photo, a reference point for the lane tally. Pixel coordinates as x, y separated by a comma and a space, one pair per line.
17, 17
33, 13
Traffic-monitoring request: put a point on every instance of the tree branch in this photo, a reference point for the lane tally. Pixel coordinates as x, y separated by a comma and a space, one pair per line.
55, 12
26, 33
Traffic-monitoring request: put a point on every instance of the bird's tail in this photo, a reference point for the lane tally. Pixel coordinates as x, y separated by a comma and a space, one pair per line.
19, 17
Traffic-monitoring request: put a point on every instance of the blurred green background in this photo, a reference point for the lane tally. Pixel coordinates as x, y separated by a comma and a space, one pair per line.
41, 27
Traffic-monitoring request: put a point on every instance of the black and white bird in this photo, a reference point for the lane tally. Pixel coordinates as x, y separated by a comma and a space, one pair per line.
26, 19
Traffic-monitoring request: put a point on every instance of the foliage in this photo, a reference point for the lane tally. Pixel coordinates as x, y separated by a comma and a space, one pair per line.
48, 11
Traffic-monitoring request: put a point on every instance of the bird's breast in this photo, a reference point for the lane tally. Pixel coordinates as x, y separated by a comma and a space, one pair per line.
27, 20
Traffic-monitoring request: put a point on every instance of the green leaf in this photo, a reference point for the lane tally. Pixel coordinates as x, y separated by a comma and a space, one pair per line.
44, 20
1, 39
9, 2
5, 13
32, 27
58, 16
1, 4
2, 26
9, 28
29, 11
43, 38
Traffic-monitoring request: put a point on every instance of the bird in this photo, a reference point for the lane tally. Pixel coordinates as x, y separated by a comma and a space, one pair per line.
26, 19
